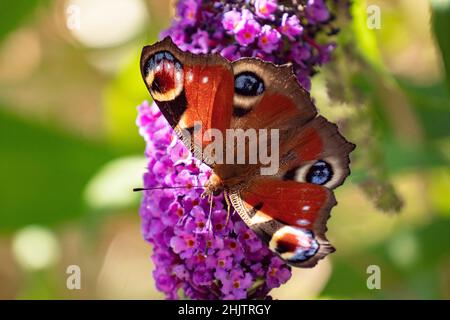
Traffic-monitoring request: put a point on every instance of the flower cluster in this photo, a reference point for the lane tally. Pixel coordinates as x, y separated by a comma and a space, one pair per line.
276, 31
196, 250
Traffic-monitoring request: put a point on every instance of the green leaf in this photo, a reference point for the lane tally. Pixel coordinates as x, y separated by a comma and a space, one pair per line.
441, 25
43, 173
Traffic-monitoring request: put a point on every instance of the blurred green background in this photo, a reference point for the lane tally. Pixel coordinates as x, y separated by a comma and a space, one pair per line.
70, 151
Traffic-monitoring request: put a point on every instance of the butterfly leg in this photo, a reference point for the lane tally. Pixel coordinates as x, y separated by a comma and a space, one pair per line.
227, 200
208, 225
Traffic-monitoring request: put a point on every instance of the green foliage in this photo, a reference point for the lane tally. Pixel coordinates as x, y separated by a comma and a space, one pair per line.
441, 26
397, 123
121, 97
43, 173
13, 14
413, 276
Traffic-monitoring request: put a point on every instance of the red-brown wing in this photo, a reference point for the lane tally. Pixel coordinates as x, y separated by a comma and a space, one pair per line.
316, 153
266, 96
189, 89
290, 209
290, 217
280, 103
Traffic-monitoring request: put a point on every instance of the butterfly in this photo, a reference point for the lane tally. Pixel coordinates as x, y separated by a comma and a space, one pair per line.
288, 209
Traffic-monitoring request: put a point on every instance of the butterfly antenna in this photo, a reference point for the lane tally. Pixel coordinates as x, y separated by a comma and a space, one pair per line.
162, 188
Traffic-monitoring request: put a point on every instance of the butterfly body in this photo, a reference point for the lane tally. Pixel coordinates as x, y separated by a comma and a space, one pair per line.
287, 204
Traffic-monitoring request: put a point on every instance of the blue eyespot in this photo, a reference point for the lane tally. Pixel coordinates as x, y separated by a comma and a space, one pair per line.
248, 84
319, 173
304, 253
303, 247
160, 56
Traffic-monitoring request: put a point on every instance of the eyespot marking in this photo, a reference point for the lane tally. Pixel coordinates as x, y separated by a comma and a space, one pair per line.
294, 244
319, 173
164, 76
290, 174
239, 112
248, 84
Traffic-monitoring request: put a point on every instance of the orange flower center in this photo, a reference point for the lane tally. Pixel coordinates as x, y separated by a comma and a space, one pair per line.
201, 257
201, 225
273, 272
190, 243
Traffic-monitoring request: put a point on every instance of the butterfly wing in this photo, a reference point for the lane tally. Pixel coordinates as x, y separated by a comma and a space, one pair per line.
289, 210
193, 92
316, 153
290, 217
268, 96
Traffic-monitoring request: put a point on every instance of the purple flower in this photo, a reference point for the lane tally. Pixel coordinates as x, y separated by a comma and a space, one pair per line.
224, 260
238, 29
200, 42
235, 284
265, 8
247, 29
231, 20
317, 11
178, 35
230, 52
300, 53
269, 39
192, 251
184, 245
277, 273
290, 26
188, 10
325, 52
303, 78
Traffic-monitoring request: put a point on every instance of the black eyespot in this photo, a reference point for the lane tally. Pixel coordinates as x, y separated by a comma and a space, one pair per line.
319, 173
248, 84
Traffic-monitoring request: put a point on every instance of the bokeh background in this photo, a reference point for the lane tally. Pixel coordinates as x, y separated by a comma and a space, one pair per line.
70, 151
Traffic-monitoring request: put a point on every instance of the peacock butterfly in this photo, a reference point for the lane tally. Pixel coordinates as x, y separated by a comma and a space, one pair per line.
288, 209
